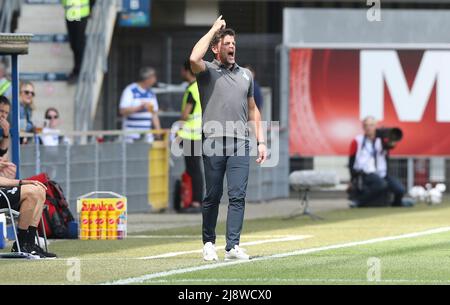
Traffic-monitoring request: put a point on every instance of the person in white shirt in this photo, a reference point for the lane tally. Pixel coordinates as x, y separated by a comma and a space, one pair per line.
369, 161
139, 106
51, 134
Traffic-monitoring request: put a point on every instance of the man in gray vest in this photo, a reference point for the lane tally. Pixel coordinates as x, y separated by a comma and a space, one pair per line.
226, 94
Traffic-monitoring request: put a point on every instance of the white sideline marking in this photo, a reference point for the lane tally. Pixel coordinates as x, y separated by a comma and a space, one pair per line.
162, 236
213, 280
147, 277
199, 236
252, 243
285, 238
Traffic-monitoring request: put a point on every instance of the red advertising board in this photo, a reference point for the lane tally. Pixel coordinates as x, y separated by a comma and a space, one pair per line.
332, 90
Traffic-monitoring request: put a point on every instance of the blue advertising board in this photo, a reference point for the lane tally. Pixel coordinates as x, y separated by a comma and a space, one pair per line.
135, 13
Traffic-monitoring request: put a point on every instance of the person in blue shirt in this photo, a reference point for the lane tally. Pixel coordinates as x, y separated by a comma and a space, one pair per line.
259, 100
26, 96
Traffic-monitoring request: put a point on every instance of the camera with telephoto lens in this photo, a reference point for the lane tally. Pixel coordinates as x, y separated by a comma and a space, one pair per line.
389, 137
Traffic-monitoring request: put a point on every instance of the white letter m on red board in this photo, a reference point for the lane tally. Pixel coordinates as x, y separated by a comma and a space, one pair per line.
378, 67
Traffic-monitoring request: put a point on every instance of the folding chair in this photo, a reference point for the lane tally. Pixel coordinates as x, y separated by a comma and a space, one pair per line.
11, 213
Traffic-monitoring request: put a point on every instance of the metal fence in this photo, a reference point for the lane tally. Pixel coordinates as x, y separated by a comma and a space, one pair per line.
82, 168
410, 171
88, 165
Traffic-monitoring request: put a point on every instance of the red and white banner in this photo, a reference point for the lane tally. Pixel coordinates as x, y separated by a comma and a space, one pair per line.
332, 90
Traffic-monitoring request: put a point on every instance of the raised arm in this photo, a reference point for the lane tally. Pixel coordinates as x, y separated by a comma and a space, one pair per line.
202, 46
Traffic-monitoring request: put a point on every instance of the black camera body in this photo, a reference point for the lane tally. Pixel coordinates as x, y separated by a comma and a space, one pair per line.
389, 137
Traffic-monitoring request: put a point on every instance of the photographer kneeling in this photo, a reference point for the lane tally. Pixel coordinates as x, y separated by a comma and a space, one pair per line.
368, 165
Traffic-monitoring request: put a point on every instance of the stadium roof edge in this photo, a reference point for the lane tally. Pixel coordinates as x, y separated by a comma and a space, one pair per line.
380, 46
14, 43
358, 26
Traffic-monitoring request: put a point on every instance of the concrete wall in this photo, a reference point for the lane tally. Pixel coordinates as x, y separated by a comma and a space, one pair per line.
308, 25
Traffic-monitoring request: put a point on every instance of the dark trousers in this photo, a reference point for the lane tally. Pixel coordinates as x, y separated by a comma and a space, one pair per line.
77, 38
236, 167
194, 169
394, 186
374, 187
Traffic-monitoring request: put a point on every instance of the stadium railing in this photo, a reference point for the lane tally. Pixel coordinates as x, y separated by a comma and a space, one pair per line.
145, 173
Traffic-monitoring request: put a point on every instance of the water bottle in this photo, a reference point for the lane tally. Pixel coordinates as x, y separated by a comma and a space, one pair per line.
122, 226
2, 236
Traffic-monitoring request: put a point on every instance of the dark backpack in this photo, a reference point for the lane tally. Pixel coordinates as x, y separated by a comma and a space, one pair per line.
57, 216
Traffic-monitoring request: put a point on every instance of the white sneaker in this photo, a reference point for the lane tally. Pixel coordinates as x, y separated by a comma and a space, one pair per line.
210, 253
237, 253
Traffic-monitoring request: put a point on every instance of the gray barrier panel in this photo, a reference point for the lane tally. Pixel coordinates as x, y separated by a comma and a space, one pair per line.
124, 168
319, 25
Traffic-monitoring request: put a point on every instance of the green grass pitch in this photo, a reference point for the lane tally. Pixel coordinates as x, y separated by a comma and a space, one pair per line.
421, 259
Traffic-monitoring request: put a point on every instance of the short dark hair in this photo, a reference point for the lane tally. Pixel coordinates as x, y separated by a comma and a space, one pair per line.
49, 110
5, 101
221, 34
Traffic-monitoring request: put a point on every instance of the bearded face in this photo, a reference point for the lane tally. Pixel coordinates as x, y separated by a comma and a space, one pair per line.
225, 50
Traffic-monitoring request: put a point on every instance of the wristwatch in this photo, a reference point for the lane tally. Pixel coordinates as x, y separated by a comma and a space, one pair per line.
259, 143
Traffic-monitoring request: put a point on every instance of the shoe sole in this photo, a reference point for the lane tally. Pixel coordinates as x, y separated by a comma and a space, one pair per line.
24, 256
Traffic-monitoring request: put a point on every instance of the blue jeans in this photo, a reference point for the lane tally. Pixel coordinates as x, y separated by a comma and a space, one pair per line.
375, 187
237, 168
394, 186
